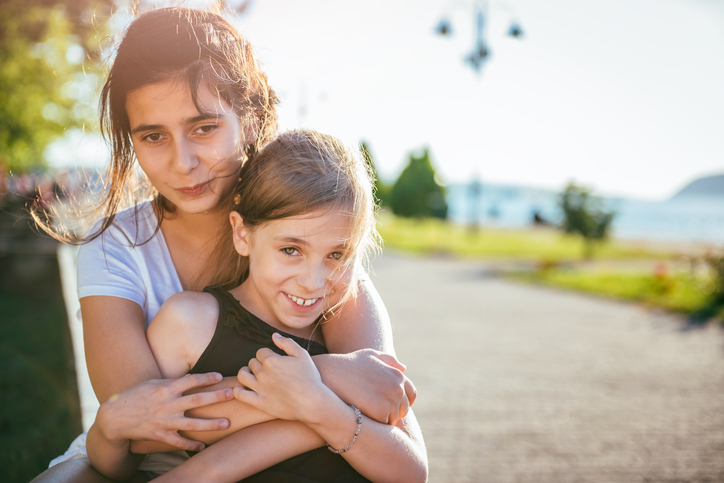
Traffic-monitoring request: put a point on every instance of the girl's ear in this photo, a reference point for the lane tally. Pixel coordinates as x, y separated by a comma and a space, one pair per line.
240, 233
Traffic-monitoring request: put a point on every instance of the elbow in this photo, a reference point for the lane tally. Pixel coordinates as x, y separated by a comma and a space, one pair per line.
415, 473
420, 474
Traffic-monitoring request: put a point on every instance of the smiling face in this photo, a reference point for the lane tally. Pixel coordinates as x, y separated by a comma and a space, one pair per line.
191, 155
297, 268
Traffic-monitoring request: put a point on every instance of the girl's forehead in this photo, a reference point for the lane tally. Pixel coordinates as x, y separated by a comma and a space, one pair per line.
332, 226
173, 98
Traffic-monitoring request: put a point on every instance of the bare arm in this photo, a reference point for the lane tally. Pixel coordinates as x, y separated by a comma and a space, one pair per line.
290, 387
246, 452
371, 379
136, 404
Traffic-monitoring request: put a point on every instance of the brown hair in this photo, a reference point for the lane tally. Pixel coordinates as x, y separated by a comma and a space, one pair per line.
193, 46
300, 172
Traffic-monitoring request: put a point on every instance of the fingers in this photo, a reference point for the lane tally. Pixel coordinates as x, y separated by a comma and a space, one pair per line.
198, 424
247, 396
205, 398
404, 409
410, 391
391, 360
255, 366
245, 377
288, 345
175, 439
190, 381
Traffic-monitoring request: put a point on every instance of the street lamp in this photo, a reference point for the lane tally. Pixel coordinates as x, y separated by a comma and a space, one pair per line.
480, 52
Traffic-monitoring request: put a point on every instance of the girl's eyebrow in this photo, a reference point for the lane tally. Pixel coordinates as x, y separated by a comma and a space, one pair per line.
292, 240
203, 116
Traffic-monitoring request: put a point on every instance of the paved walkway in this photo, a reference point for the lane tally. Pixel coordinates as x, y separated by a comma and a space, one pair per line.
525, 384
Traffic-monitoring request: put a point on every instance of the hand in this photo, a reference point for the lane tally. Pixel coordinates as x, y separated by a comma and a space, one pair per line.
286, 387
154, 410
371, 380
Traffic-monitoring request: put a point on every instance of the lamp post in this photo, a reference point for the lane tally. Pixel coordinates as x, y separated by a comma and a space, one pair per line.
480, 51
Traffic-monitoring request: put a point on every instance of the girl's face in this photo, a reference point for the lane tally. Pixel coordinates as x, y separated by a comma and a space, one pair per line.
298, 267
191, 157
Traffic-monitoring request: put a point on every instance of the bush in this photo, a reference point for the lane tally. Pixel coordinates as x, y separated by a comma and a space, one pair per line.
417, 193
582, 214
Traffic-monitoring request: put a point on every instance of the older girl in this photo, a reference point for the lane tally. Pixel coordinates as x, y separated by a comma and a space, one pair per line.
185, 99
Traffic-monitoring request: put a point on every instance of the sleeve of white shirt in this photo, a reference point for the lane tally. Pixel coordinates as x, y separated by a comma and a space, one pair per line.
109, 265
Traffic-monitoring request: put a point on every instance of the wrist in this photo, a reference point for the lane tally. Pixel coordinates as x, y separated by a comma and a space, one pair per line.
106, 429
335, 423
358, 417
315, 410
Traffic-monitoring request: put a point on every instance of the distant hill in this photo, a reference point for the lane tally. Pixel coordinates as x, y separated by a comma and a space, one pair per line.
703, 187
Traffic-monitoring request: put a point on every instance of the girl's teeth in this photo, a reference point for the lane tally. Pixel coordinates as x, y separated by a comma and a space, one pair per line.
301, 301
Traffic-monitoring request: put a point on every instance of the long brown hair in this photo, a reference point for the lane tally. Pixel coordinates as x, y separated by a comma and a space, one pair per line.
301, 172
193, 46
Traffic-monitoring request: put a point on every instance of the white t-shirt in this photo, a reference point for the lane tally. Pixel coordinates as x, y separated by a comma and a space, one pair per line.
112, 265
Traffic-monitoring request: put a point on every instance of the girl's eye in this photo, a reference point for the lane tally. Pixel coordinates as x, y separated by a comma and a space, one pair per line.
337, 255
207, 128
154, 137
289, 251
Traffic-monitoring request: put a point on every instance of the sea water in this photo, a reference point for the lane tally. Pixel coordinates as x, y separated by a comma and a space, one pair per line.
681, 219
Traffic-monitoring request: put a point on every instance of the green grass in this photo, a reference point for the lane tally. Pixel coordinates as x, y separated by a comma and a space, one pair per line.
557, 260
681, 293
431, 236
39, 411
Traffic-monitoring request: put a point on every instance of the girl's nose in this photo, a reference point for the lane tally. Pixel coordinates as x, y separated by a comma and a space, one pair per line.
185, 158
314, 277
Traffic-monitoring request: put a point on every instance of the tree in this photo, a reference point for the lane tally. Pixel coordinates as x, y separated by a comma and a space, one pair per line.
417, 193
582, 214
382, 190
46, 49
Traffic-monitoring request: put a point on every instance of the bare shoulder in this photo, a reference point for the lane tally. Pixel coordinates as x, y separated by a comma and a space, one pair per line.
181, 330
193, 311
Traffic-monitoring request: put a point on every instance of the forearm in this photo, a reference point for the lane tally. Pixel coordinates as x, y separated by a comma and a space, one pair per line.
110, 458
246, 452
381, 452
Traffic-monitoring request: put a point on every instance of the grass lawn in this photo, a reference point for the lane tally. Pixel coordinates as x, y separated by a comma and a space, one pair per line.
39, 411
619, 270
681, 293
430, 236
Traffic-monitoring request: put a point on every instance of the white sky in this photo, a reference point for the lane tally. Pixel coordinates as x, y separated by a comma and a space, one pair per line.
624, 96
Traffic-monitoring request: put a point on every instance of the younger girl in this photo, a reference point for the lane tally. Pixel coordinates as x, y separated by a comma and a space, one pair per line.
303, 219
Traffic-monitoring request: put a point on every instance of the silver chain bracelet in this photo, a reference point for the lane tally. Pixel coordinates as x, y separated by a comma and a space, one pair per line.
357, 413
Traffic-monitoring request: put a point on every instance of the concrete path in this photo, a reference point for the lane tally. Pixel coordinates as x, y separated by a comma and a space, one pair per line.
525, 384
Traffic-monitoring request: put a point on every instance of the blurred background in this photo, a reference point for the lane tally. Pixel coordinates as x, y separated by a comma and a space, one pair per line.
575, 144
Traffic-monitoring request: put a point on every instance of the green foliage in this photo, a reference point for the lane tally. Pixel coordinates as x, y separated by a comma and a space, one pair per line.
42, 52
583, 215
382, 190
417, 193
715, 263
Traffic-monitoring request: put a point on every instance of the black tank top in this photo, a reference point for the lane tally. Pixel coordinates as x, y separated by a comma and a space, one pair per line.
238, 336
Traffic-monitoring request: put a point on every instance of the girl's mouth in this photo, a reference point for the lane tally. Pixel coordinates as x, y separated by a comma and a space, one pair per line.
303, 303
194, 190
